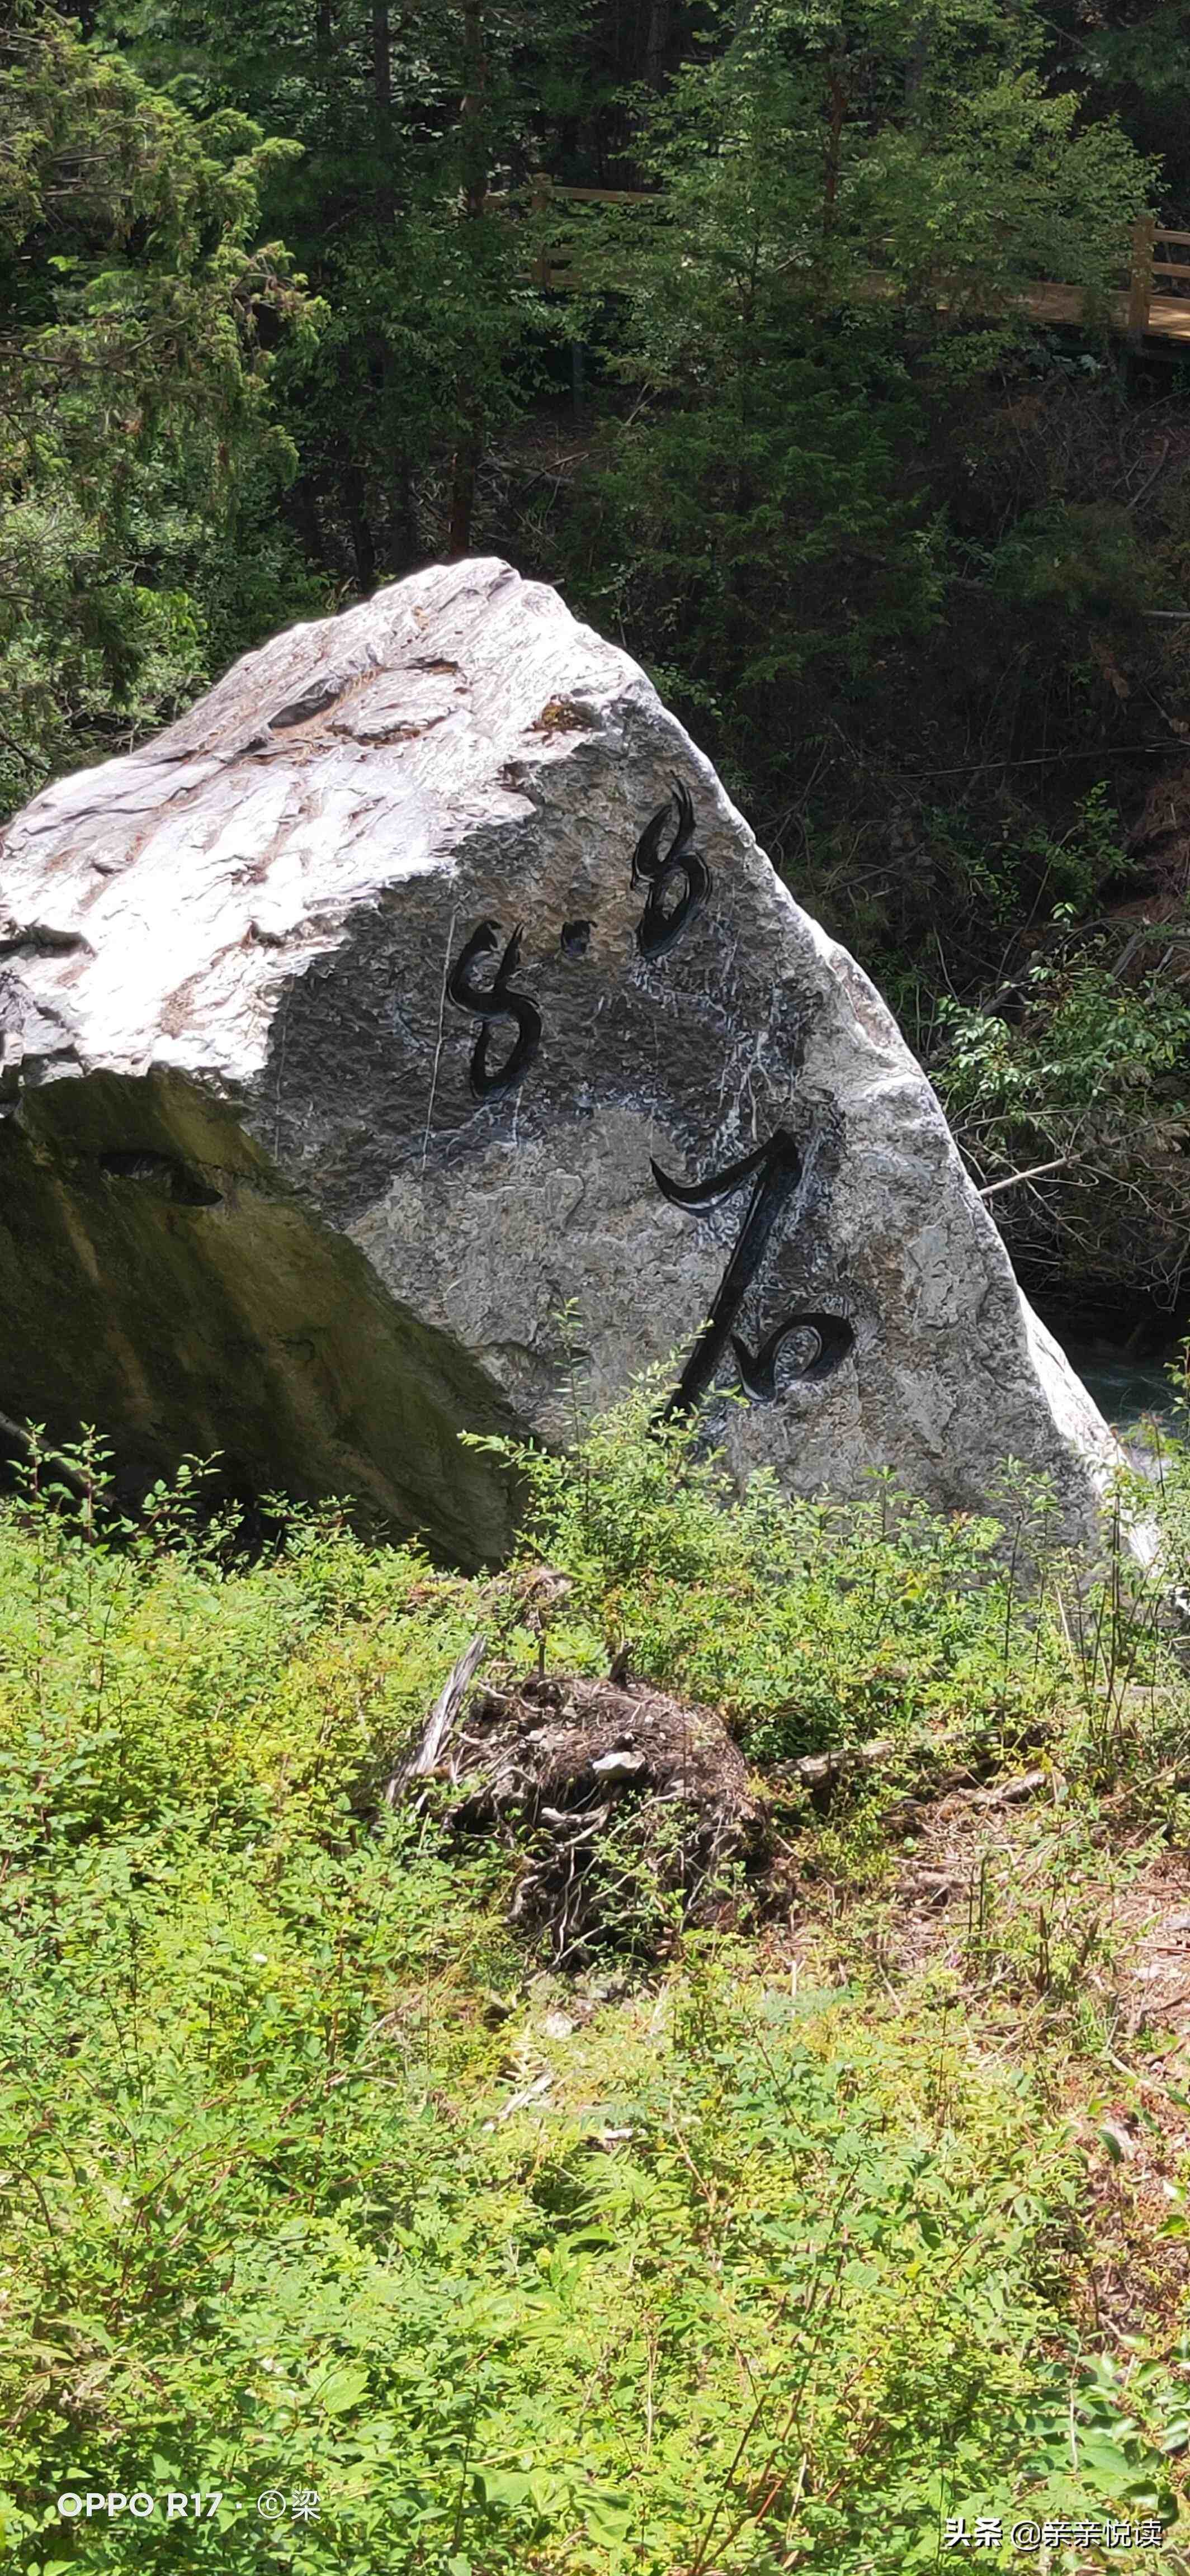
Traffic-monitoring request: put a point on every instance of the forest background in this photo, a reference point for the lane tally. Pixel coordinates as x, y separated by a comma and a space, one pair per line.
276, 325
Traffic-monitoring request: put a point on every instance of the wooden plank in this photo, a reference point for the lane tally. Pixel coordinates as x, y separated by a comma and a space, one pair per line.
607, 196
1051, 302
1167, 320
543, 190
1170, 320
1161, 235
1179, 268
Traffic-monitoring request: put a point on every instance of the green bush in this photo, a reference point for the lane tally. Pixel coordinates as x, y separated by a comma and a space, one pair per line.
1086, 1091
807, 1622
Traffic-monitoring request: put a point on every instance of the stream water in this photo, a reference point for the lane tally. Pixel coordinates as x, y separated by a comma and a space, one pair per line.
1126, 1390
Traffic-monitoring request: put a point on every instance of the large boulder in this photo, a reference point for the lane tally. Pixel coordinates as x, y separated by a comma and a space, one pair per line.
422, 980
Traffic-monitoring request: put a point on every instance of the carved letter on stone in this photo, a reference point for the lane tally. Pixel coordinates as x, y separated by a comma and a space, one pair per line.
497, 1002
775, 1170
658, 929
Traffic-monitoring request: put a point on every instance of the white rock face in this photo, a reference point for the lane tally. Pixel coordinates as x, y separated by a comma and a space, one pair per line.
301, 1158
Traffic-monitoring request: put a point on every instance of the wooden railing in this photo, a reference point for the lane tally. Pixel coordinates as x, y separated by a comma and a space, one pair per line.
554, 266
1151, 273
1157, 303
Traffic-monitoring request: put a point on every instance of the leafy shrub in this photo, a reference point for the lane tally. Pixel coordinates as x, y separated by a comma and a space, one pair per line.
807, 1622
1090, 1080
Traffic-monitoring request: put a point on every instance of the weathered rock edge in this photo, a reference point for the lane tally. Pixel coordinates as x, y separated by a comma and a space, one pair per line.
250, 1200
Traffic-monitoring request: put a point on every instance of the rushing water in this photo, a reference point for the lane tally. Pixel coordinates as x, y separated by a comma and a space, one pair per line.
1130, 1391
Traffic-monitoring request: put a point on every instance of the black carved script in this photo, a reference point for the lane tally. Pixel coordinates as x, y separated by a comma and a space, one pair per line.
495, 1001
774, 1171
658, 928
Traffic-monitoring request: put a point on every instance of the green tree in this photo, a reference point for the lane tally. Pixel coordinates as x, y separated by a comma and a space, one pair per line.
136, 439
411, 120
850, 201
1131, 57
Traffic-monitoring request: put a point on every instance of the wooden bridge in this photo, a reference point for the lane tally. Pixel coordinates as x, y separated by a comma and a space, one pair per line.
1156, 307
1153, 311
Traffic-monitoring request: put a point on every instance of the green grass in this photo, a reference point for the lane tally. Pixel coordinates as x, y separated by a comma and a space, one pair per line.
312, 2176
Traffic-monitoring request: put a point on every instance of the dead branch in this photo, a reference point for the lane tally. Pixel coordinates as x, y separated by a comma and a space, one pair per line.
426, 1753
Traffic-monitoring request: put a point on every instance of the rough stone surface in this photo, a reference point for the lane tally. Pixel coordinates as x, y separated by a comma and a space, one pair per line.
249, 1197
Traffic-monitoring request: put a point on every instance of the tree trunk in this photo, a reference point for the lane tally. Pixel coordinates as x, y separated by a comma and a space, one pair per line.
657, 41
363, 544
408, 536
473, 135
301, 509
917, 63
464, 474
473, 112
382, 104
382, 68
838, 103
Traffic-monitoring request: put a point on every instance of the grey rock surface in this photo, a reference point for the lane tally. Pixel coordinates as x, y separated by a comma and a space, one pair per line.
300, 1159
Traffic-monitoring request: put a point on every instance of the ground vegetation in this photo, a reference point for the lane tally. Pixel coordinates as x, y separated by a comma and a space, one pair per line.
826, 2187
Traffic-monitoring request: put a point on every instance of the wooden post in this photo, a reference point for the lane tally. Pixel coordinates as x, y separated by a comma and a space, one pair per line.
540, 191
1140, 290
